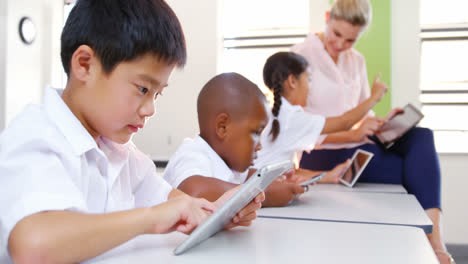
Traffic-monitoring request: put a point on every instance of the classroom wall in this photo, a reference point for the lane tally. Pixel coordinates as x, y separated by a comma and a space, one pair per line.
405, 58
17, 90
26, 69
3, 38
454, 168
176, 112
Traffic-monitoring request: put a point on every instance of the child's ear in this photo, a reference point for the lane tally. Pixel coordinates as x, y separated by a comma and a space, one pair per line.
222, 124
290, 82
82, 62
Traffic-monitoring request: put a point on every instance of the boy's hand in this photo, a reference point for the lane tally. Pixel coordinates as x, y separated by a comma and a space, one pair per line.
181, 213
281, 193
333, 176
378, 88
245, 216
292, 176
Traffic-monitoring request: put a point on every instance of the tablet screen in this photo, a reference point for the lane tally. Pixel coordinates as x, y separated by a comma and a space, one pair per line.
359, 161
398, 125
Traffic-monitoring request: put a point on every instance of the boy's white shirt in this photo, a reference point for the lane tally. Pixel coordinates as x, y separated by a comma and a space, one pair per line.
48, 161
299, 132
196, 157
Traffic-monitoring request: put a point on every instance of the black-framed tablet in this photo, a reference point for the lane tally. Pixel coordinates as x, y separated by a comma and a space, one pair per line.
398, 126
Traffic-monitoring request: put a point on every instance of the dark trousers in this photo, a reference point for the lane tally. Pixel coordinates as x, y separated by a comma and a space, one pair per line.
412, 161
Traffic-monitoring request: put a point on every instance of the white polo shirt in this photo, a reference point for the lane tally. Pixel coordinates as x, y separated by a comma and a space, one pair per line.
299, 131
196, 157
48, 161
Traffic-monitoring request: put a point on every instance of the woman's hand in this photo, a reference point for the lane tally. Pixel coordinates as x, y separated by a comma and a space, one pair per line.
394, 112
378, 88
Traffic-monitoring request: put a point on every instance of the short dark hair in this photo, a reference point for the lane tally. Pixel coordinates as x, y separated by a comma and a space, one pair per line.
123, 30
277, 69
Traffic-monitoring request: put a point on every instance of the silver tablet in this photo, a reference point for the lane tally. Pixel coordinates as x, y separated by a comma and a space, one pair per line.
359, 162
398, 125
249, 190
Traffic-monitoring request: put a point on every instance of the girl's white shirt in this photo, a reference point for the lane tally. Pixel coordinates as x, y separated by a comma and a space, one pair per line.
299, 131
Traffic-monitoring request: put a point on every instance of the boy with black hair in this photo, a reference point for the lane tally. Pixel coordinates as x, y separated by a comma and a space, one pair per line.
72, 184
232, 113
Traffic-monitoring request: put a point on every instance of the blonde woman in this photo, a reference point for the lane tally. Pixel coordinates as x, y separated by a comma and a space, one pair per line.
338, 82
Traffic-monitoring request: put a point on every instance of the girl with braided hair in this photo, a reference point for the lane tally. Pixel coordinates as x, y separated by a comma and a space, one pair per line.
291, 130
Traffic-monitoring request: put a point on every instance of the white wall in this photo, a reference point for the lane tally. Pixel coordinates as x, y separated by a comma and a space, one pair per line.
176, 112
405, 52
454, 169
317, 9
25, 69
3, 38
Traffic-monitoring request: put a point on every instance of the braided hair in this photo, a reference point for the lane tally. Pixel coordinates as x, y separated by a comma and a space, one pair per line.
277, 69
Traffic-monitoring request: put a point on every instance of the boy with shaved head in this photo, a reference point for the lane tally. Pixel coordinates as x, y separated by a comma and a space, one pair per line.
232, 113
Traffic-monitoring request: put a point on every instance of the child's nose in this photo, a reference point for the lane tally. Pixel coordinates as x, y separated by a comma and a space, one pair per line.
258, 147
147, 109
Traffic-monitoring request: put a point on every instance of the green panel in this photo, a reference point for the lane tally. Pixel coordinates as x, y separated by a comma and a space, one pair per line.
375, 45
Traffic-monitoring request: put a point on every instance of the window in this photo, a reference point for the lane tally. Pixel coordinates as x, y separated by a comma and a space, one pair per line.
444, 74
254, 30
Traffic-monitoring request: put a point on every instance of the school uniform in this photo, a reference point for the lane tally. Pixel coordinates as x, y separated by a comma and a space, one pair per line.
49, 161
336, 88
298, 132
196, 157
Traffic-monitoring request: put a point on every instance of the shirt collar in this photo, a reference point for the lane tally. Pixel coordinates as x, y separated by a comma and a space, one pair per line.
218, 161
286, 105
71, 128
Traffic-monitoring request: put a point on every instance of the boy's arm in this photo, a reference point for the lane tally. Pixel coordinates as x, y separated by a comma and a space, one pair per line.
205, 187
174, 193
219, 191
348, 119
281, 193
69, 237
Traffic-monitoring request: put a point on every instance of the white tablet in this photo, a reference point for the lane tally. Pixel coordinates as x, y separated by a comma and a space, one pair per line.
359, 162
249, 190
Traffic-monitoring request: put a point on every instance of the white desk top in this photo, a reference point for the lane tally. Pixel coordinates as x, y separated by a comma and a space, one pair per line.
356, 207
285, 241
361, 187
